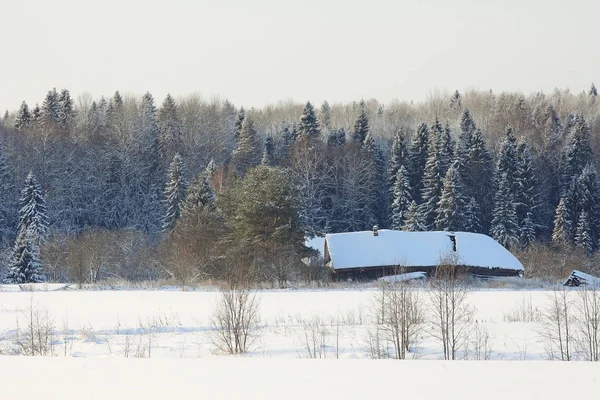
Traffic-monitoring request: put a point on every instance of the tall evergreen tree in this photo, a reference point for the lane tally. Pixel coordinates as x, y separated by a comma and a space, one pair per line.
507, 161
450, 214
325, 116
477, 177
398, 158
23, 120
577, 153
413, 221
8, 202
248, 152
402, 198
169, 127
175, 193
472, 217
432, 186
239, 122
418, 154
309, 123
583, 236
269, 153
361, 125
50, 112
377, 184
200, 195
66, 111
562, 224
32, 210
445, 150
527, 201
504, 222
467, 130
25, 265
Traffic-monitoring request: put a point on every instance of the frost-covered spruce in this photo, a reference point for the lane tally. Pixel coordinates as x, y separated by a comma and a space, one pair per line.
453, 203
25, 265
583, 235
269, 153
237, 129
200, 194
413, 221
361, 125
248, 152
562, 224
418, 151
309, 123
174, 193
432, 186
526, 196
578, 152
23, 119
32, 209
472, 213
504, 222
401, 198
398, 158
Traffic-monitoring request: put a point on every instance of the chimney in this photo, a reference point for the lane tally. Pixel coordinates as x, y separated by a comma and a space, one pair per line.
375, 230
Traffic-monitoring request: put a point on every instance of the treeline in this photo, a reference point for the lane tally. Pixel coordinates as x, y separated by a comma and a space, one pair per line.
115, 173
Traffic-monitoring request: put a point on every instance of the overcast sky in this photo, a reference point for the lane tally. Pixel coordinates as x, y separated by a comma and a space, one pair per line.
256, 52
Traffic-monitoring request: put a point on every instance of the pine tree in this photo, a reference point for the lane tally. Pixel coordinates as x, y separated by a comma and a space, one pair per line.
504, 222
175, 192
418, 154
23, 120
248, 152
269, 153
361, 125
401, 198
309, 124
239, 122
562, 225
583, 236
32, 210
25, 265
432, 186
450, 213
413, 221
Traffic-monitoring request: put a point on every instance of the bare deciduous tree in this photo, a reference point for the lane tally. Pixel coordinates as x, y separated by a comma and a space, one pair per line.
235, 320
451, 312
557, 321
588, 321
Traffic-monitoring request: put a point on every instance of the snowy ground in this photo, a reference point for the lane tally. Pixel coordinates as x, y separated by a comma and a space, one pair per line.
234, 378
174, 324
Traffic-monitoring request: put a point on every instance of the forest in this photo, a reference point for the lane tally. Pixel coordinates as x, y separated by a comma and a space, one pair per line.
192, 189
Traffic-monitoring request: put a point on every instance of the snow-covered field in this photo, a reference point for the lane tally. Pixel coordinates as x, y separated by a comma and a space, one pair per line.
175, 324
157, 344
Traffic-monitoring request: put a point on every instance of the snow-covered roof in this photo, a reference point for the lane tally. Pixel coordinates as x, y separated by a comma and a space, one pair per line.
415, 249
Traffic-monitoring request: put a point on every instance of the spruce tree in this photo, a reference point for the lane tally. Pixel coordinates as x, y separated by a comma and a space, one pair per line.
200, 195
467, 130
239, 122
248, 152
583, 235
562, 224
66, 111
32, 210
445, 150
398, 158
170, 128
413, 221
361, 125
36, 116
472, 215
309, 123
477, 178
507, 161
527, 202
450, 213
377, 184
401, 198
25, 265
504, 222
269, 153
418, 154
175, 192
49, 113
432, 186
23, 120
8, 202
325, 116
577, 153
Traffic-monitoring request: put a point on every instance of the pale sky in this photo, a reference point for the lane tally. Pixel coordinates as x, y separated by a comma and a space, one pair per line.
261, 51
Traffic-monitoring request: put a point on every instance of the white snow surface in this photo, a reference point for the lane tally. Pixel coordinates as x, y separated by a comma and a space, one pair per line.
242, 378
416, 249
409, 276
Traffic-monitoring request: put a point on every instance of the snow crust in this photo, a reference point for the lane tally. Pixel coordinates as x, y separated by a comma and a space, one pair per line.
242, 378
416, 249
